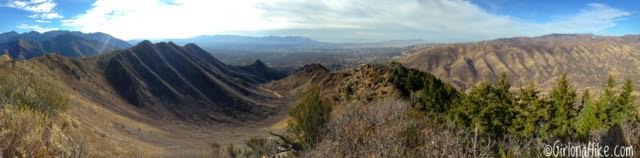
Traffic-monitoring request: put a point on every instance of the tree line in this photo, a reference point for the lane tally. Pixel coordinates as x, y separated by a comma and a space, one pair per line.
494, 110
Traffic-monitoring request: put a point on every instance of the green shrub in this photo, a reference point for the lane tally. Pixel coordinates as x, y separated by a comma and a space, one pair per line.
483, 107
429, 93
309, 118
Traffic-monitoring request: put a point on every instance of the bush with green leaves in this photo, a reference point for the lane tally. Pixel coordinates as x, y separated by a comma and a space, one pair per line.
488, 108
428, 93
309, 118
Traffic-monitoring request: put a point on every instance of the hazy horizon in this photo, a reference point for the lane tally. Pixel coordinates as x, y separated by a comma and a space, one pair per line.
327, 21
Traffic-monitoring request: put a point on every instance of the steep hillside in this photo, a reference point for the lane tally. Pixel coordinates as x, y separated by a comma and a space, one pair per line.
66, 43
587, 59
156, 100
183, 81
261, 72
362, 84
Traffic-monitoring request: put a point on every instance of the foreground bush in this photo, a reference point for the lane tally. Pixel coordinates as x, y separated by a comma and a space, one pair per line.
30, 124
391, 128
28, 92
365, 130
26, 133
309, 118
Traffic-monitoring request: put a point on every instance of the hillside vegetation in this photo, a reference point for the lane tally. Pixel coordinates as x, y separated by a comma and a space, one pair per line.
32, 123
429, 118
154, 100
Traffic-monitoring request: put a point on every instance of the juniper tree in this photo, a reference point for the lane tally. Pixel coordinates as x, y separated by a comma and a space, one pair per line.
562, 99
489, 108
623, 108
587, 119
531, 112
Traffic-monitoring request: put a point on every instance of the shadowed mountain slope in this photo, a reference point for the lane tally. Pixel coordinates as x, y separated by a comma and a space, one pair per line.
183, 81
158, 99
587, 59
261, 73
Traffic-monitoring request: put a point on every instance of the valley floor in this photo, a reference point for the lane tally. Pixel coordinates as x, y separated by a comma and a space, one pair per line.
111, 134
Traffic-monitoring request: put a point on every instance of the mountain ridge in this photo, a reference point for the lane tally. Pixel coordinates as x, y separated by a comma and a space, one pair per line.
587, 59
182, 80
66, 43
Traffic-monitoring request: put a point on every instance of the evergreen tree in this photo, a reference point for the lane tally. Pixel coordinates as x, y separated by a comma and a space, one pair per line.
531, 112
562, 100
484, 108
623, 108
607, 103
503, 86
436, 96
428, 93
587, 119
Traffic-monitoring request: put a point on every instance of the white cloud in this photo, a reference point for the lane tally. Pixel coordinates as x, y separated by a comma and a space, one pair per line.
41, 9
130, 19
438, 20
595, 19
37, 28
46, 16
331, 20
42, 21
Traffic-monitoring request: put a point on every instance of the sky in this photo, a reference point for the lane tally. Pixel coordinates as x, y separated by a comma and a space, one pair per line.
325, 20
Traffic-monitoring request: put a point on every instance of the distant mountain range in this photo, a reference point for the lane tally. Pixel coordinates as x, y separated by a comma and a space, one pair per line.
77, 44
66, 43
586, 59
276, 43
246, 43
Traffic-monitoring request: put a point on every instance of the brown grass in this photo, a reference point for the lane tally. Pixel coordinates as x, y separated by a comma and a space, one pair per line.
30, 121
25, 133
365, 130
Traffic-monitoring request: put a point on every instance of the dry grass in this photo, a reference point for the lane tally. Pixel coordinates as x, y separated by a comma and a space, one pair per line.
30, 92
25, 133
30, 121
365, 130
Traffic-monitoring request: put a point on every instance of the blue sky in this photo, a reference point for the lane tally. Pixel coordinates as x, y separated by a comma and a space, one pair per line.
325, 20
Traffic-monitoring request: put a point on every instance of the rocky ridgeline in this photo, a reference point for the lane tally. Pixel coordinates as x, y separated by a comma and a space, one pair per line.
366, 83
